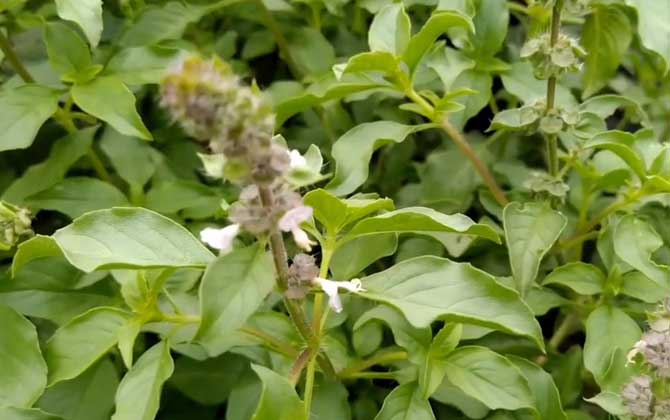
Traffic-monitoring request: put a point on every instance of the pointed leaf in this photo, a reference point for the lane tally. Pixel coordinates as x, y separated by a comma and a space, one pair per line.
23, 110
390, 30
583, 278
404, 403
278, 399
85, 13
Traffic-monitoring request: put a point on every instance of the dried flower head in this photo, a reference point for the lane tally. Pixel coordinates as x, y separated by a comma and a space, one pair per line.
638, 396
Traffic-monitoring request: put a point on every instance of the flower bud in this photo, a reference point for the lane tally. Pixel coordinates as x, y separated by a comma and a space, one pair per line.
15, 225
553, 60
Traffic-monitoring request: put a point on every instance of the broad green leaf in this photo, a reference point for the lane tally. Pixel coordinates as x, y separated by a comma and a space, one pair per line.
87, 397
64, 153
604, 106
610, 402
335, 213
14, 413
24, 109
610, 334
158, 23
110, 100
653, 25
420, 220
85, 13
278, 399
530, 231
76, 196
520, 82
330, 400
257, 44
622, 144
142, 65
605, 37
542, 386
134, 160
354, 256
68, 53
489, 378
583, 278
139, 393
374, 61
129, 238
78, 344
353, 151
232, 289
39, 246
24, 372
430, 288
390, 30
438, 24
209, 381
491, 22
635, 242
435, 367
641, 287
191, 200
448, 394
403, 403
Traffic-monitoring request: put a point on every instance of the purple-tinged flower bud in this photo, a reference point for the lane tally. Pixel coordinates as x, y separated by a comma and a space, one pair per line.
638, 396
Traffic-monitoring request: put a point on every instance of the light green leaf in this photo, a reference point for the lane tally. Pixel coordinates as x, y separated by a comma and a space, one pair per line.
139, 393
79, 343
489, 378
191, 200
39, 246
76, 196
430, 288
142, 65
24, 372
330, 400
13, 413
158, 23
491, 22
390, 30
604, 106
653, 25
310, 173
583, 278
354, 149
542, 386
374, 61
24, 109
68, 53
355, 255
134, 160
530, 231
87, 397
278, 399
610, 334
335, 213
232, 289
403, 403
85, 13
311, 51
420, 220
433, 370
438, 24
635, 242
605, 37
622, 144
520, 82
110, 100
64, 153
129, 238
610, 402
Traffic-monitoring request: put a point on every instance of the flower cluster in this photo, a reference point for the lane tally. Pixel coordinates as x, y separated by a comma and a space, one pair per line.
535, 117
646, 396
552, 61
15, 225
543, 184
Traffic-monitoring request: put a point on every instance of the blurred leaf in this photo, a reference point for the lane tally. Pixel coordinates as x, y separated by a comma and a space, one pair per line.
24, 109
390, 30
85, 13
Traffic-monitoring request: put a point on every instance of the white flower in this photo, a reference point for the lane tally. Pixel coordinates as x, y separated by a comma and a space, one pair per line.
297, 160
331, 288
290, 222
221, 239
637, 349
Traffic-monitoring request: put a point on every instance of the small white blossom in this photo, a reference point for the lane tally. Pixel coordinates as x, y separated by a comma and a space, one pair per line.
637, 349
221, 239
290, 222
297, 160
331, 288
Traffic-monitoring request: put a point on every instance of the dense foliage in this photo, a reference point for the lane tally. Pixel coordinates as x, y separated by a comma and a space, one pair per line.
335, 209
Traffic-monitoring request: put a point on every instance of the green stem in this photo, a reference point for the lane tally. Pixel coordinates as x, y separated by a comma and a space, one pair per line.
271, 342
552, 141
564, 330
14, 59
298, 366
378, 359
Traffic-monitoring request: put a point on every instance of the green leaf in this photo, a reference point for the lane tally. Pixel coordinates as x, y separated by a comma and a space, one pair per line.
311, 51
335, 213
390, 30
520, 82
39, 246
78, 344
87, 397
374, 61
489, 378
134, 160
110, 100
610, 334
530, 231
76, 196
210, 381
653, 26
278, 399
420, 220
611, 402
158, 23
606, 36
330, 400
129, 238
142, 65
64, 153
491, 22
622, 144
435, 367
354, 149
430, 288
404, 402
542, 386
583, 278
23, 369
191, 200
438, 24
13, 413
139, 393
68, 53
604, 106
355, 255
233, 288
635, 242
85, 13
24, 109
